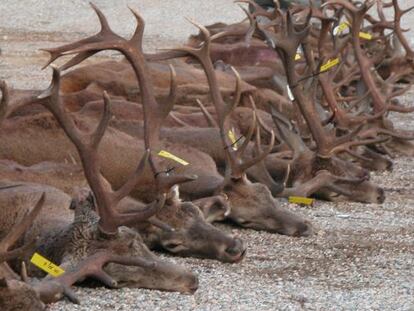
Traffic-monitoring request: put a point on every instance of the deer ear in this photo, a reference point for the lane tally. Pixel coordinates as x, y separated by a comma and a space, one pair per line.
3, 283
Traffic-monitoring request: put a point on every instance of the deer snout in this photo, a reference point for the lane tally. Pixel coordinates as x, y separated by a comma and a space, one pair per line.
380, 196
304, 229
192, 285
236, 252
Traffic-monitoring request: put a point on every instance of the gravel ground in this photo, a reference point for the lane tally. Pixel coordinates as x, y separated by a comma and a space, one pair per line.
363, 255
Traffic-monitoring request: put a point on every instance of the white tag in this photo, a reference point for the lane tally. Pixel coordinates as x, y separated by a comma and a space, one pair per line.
289, 92
298, 55
336, 30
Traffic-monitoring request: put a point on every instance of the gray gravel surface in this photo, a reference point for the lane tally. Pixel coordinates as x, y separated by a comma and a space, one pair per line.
363, 255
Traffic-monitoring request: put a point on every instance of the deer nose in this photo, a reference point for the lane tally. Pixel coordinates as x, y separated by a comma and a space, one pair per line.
236, 252
305, 229
380, 196
193, 285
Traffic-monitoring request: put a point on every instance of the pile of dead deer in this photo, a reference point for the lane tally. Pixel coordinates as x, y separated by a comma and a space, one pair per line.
119, 158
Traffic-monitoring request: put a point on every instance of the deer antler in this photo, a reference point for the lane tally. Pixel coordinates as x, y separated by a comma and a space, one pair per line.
235, 166
51, 290
154, 113
87, 145
106, 39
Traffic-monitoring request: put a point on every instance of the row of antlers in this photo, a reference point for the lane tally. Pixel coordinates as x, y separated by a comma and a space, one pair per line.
313, 91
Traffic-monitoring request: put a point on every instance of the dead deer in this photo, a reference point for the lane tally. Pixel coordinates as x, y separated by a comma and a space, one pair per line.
204, 185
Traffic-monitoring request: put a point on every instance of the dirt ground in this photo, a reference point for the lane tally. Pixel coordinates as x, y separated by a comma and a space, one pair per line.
362, 257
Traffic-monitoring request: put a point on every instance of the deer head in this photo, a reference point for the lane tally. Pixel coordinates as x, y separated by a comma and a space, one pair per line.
192, 234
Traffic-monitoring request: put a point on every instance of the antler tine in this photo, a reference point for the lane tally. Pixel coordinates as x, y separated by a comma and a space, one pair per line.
237, 157
87, 146
364, 7
252, 28
354, 143
104, 33
248, 35
102, 19
4, 100
237, 92
209, 118
261, 154
132, 181
291, 31
138, 35
252, 128
54, 105
16, 232
104, 122
350, 136
202, 28
202, 54
18, 252
167, 105
275, 187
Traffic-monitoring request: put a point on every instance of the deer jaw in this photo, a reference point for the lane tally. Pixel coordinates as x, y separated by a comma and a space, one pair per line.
191, 236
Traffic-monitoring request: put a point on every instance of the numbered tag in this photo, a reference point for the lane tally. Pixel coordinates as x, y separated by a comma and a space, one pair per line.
331, 63
46, 265
233, 139
166, 154
290, 94
365, 35
301, 200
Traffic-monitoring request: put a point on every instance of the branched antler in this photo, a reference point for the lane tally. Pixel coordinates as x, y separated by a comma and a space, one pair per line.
51, 290
235, 166
87, 146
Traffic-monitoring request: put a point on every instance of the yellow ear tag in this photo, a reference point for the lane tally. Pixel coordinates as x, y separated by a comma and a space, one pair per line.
166, 154
340, 28
331, 63
365, 35
46, 265
233, 139
301, 200
298, 56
